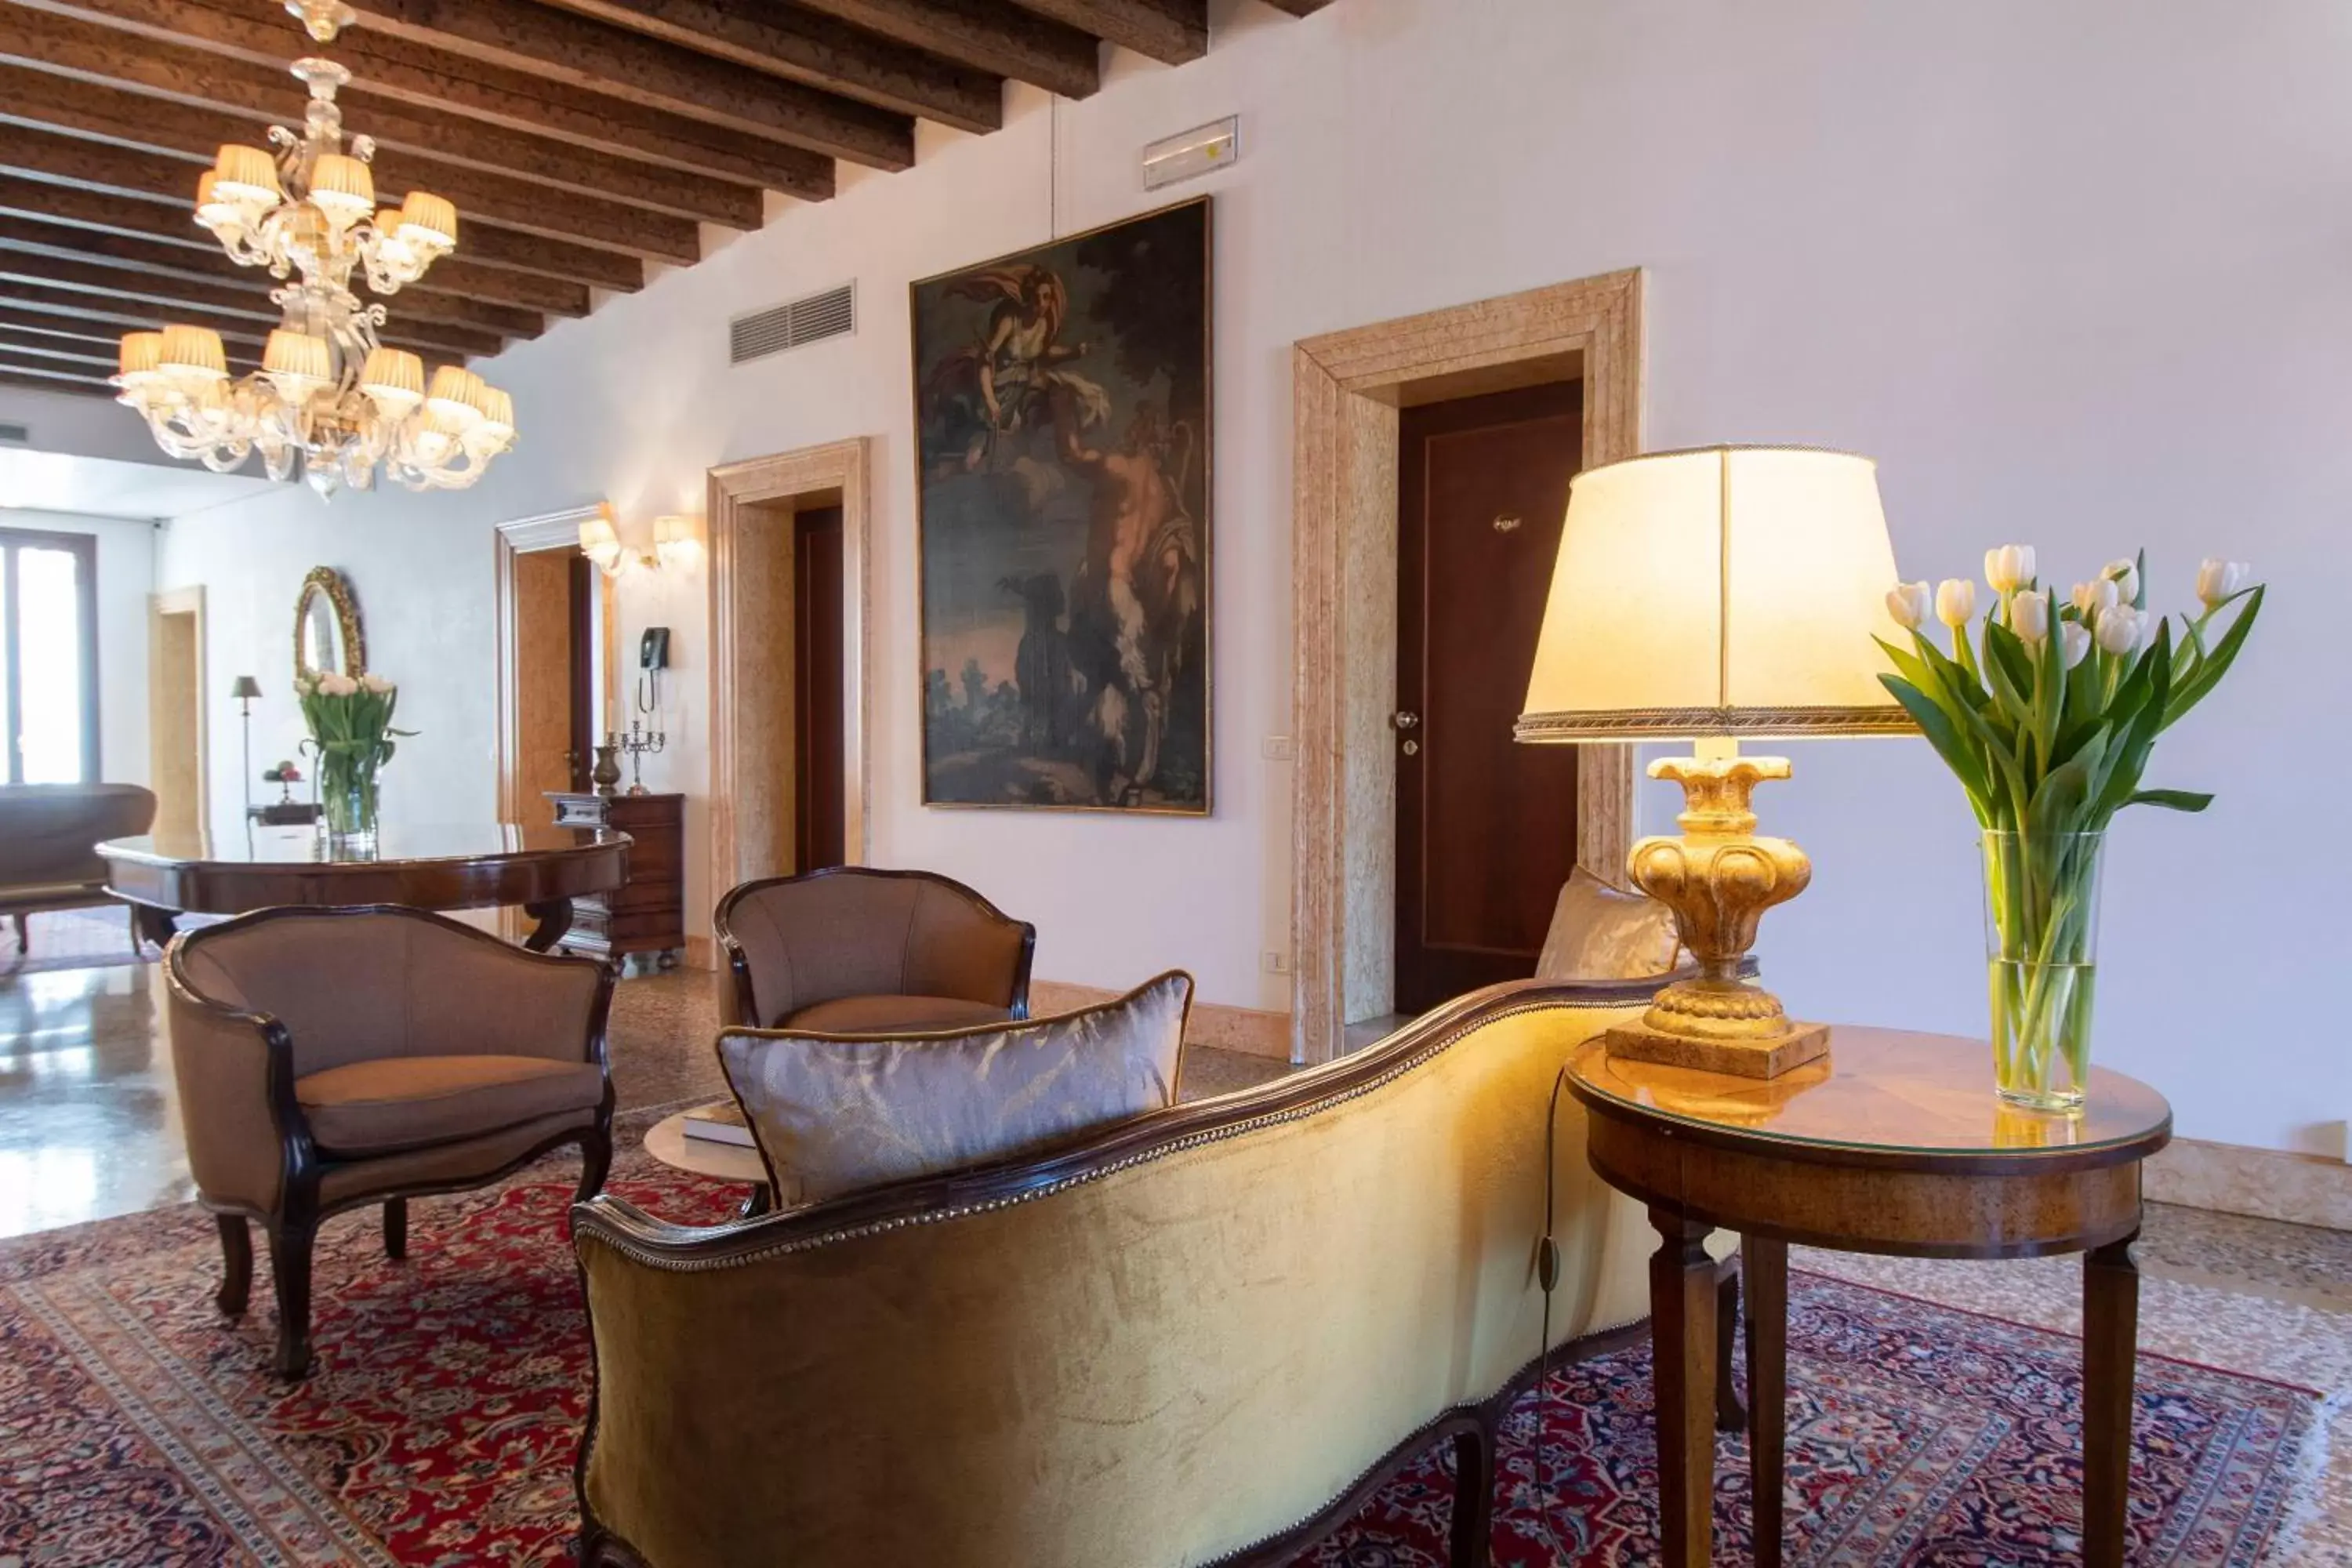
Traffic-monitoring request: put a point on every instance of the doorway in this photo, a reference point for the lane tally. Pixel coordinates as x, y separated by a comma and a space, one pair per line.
816, 688
1486, 828
178, 758
555, 659
1348, 389
788, 594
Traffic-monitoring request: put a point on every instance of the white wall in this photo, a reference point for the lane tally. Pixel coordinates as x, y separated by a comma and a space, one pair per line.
2076, 274
126, 577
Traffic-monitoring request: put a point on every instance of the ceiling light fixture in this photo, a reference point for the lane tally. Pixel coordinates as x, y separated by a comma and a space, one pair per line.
328, 392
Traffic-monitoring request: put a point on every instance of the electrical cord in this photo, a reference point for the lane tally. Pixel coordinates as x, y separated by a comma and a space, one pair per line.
1548, 1276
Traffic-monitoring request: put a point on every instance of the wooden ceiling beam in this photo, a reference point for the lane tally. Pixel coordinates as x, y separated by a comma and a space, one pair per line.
34, 278
442, 303
88, 220
1172, 31
19, 321
986, 35
55, 115
182, 74
392, 70
241, 335
56, 381
21, 301
817, 51
168, 219
606, 60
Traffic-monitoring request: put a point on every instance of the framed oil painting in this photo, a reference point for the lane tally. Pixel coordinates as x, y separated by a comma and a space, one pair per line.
1062, 406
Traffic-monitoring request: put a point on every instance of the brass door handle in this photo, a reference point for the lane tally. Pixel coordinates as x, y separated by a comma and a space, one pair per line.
1403, 721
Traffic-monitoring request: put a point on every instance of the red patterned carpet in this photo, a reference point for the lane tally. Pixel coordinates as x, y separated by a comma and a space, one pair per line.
136, 1427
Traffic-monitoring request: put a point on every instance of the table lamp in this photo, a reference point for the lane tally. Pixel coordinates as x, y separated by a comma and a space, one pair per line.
1710, 596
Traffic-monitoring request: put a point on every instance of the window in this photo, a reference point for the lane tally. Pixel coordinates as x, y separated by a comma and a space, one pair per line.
48, 656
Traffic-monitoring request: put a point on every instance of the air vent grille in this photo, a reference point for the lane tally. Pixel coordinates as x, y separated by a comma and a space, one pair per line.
830, 314
16, 434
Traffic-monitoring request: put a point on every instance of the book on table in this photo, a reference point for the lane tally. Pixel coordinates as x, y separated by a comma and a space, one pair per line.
719, 1124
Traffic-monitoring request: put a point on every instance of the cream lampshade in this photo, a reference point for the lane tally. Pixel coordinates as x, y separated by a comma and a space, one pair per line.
1712, 594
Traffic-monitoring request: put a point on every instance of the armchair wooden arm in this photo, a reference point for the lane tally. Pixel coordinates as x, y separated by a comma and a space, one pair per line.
328, 1058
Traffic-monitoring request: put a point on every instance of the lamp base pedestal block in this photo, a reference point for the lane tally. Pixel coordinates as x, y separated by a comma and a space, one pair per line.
1738, 1058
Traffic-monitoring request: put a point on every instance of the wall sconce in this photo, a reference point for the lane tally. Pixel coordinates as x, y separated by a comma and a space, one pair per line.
602, 543
677, 541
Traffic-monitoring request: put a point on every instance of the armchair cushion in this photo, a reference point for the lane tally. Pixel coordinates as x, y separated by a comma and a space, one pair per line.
894, 1015
402, 1102
836, 1113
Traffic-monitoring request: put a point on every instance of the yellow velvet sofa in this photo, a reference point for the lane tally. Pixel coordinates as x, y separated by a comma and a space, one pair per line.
1199, 1337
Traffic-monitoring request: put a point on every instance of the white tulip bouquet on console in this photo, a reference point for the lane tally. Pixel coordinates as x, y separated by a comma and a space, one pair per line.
2046, 711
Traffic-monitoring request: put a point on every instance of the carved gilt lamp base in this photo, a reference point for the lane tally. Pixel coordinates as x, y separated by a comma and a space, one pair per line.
1720, 877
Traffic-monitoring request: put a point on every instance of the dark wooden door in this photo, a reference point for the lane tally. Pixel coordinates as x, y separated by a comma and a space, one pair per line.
816, 688
1485, 829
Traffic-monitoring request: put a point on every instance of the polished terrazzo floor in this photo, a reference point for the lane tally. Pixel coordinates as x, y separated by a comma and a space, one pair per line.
90, 1128
90, 1120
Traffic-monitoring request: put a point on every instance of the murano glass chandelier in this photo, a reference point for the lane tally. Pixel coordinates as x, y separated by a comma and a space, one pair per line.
328, 391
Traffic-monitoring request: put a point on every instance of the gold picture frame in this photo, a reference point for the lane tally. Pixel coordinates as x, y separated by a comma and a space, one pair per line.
1062, 404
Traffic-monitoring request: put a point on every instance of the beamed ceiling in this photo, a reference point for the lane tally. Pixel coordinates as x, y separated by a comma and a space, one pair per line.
579, 138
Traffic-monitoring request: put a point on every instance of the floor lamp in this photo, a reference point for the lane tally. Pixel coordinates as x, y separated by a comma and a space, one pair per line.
245, 689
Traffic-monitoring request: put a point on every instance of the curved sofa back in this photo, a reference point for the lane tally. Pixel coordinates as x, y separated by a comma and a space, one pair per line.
1162, 1345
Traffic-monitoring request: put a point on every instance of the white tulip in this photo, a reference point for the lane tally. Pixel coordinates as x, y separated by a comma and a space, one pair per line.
1955, 602
2218, 579
2009, 568
2120, 628
1909, 604
375, 683
2095, 599
2125, 575
2073, 641
2029, 616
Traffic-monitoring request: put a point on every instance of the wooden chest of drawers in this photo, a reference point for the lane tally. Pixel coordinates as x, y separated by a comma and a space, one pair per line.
648, 913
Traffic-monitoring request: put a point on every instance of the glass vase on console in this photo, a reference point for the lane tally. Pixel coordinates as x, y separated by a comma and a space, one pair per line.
350, 718
348, 801
2042, 961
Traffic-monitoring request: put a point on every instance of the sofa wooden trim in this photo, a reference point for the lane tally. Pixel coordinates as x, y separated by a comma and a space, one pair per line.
657, 1244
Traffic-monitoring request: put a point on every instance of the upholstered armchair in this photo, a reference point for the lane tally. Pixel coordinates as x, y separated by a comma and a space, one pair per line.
47, 833
1196, 1336
328, 1058
851, 950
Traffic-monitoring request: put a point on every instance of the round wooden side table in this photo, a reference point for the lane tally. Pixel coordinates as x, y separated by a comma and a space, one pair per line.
668, 1141
1893, 1143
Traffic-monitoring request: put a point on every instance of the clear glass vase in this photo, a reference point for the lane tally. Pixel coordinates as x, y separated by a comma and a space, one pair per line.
2042, 949
348, 804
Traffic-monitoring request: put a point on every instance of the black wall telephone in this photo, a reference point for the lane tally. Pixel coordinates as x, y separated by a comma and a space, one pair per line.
653, 658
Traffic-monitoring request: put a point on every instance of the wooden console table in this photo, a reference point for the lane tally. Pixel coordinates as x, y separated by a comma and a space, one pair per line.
490, 865
646, 913
1893, 1143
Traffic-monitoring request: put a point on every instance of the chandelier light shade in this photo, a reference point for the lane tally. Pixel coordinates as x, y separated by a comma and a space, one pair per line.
329, 393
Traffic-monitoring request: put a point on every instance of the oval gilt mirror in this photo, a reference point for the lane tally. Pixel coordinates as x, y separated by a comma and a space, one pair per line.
326, 635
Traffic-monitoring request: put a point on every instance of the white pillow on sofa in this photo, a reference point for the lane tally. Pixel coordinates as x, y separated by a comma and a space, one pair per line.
836, 1113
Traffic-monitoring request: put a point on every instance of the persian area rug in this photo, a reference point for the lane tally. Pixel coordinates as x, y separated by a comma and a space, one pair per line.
139, 1427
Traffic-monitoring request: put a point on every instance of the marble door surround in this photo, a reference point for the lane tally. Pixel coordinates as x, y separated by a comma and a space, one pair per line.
751, 731
1348, 387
